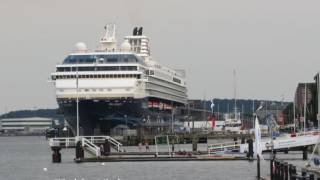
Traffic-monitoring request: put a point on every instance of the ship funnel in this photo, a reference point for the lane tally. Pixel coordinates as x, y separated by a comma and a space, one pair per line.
140, 31
135, 31
108, 41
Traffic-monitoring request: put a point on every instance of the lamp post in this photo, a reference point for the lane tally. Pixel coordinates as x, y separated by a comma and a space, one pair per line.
65, 129
77, 101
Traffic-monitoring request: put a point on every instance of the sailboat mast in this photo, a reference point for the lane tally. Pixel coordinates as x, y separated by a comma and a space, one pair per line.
294, 115
305, 108
235, 94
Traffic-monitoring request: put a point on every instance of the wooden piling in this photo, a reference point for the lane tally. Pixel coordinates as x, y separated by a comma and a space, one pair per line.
79, 150
56, 155
271, 168
250, 147
305, 153
293, 173
286, 174
258, 167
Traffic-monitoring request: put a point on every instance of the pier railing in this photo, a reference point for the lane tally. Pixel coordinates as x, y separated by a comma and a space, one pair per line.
67, 142
219, 148
62, 142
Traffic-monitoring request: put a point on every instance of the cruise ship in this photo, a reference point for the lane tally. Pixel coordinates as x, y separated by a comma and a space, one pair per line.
117, 85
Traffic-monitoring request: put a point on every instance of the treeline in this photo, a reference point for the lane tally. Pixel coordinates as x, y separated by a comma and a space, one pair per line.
46, 113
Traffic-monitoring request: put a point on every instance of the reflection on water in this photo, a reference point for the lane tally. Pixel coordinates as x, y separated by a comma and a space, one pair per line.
30, 158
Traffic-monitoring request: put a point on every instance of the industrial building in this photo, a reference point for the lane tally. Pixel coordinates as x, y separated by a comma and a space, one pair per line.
32, 125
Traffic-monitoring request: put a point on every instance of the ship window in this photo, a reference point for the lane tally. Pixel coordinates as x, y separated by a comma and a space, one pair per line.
63, 69
108, 68
128, 68
176, 80
101, 58
112, 60
151, 72
85, 68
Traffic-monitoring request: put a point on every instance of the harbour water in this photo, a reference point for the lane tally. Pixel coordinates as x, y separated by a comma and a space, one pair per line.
29, 158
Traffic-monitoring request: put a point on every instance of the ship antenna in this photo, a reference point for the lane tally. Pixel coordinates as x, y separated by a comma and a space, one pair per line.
108, 41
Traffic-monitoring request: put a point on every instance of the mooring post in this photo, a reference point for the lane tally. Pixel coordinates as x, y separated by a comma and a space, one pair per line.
106, 147
258, 166
293, 173
79, 150
56, 155
286, 177
250, 147
281, 170
271, 169
305, 153
290, 170
276, 169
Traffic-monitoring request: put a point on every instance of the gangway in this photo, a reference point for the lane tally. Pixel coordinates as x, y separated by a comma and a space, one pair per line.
90, 147
288, 141
90, 143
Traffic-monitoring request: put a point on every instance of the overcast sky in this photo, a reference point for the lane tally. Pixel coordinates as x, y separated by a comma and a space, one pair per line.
272, 44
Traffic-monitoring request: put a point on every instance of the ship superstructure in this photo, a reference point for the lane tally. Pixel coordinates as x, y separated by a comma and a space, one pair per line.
117, 85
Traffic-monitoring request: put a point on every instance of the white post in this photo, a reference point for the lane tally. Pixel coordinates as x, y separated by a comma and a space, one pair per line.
253, 113
77, 103
235, 95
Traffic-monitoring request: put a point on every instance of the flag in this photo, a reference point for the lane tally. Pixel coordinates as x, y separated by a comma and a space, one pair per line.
213, 121
257, 133
212, 104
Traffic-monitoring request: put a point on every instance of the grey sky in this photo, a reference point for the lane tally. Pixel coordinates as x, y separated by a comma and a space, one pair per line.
272, 44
